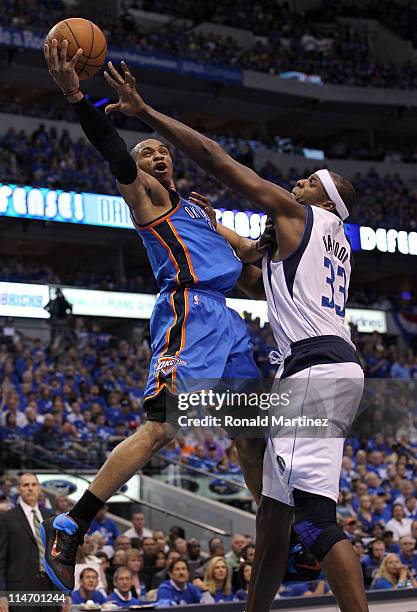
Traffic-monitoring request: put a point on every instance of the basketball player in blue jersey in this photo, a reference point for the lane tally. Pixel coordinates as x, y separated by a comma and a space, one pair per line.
306, 281
194, 334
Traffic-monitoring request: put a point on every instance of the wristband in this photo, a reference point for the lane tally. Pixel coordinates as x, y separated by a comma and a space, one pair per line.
71, 93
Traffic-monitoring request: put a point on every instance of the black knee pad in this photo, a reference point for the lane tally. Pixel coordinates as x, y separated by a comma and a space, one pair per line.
315, 523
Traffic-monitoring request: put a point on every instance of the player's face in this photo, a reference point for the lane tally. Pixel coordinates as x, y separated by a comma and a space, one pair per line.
155, 159
311, 191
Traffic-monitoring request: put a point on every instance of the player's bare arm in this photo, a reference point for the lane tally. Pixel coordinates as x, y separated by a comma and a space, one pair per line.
145, 196
251, 282
288, 215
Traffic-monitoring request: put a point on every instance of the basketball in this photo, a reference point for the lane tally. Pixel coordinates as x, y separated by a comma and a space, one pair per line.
81, 34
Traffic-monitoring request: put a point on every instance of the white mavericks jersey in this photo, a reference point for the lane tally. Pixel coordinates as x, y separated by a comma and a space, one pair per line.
307, 292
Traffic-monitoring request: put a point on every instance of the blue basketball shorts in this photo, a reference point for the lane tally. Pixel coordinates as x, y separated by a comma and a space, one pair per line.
196, 341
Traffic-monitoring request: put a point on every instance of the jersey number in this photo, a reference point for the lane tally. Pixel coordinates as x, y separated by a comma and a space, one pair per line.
327, 302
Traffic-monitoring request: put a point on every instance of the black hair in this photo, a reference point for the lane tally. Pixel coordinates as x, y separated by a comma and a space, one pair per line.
174, 563
88, 569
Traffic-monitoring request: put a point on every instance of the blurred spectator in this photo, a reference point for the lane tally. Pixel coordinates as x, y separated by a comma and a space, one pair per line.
163, 574
178, 590
86, 558
7, 490
217, 584
160, 540
408, 554
134, 563
122, 592
233, 556
194, 556
122, 542
393, 575
242, 579
390, 545
62, 504
399, 524
87, 590
21, 549
372, 561
138, 529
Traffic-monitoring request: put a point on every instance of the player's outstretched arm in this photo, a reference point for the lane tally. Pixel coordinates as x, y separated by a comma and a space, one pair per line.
135, 187
209, 155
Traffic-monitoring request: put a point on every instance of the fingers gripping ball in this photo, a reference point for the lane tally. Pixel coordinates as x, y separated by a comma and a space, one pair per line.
81, 34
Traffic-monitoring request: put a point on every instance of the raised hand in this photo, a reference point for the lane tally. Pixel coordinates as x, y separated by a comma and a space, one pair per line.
268, 240
204, 203
130, 102
62, 71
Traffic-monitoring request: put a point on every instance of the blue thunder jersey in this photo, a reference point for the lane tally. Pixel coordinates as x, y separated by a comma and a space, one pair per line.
185, 250
196, 339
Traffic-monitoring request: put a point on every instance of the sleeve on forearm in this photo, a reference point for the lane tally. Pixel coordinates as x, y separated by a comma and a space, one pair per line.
103, 136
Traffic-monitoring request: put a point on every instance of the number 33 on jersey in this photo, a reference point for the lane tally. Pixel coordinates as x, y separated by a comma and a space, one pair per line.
307, 292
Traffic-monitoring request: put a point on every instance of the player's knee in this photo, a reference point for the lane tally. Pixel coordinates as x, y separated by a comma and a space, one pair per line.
159, 433
316, 524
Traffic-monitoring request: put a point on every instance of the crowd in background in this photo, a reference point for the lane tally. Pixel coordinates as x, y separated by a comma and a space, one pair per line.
400, 152
83, 393
45, 158
284, 42
265, 17
377, 509
27, 270
137, 565
398, 15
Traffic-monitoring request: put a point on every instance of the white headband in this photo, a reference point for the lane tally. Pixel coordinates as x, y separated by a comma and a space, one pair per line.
331, 190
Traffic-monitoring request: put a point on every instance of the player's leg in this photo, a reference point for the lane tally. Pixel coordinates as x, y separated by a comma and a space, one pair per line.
128, 457
250, 452
62, 535
342, 561
316, 525
333, 391
273, 530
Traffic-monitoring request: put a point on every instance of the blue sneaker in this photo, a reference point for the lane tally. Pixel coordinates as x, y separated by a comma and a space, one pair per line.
61, 536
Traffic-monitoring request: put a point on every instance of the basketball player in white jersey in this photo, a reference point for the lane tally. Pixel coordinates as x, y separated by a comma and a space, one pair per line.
306, 283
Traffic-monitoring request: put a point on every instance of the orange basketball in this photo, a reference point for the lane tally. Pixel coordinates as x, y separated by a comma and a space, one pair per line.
81, 34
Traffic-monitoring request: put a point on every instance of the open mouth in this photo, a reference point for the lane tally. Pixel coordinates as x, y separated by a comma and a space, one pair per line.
160, 167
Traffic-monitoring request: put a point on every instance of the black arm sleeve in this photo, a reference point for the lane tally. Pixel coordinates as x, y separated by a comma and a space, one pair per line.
104, 137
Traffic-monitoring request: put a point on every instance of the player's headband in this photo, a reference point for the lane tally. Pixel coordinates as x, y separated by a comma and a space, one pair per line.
331, 190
